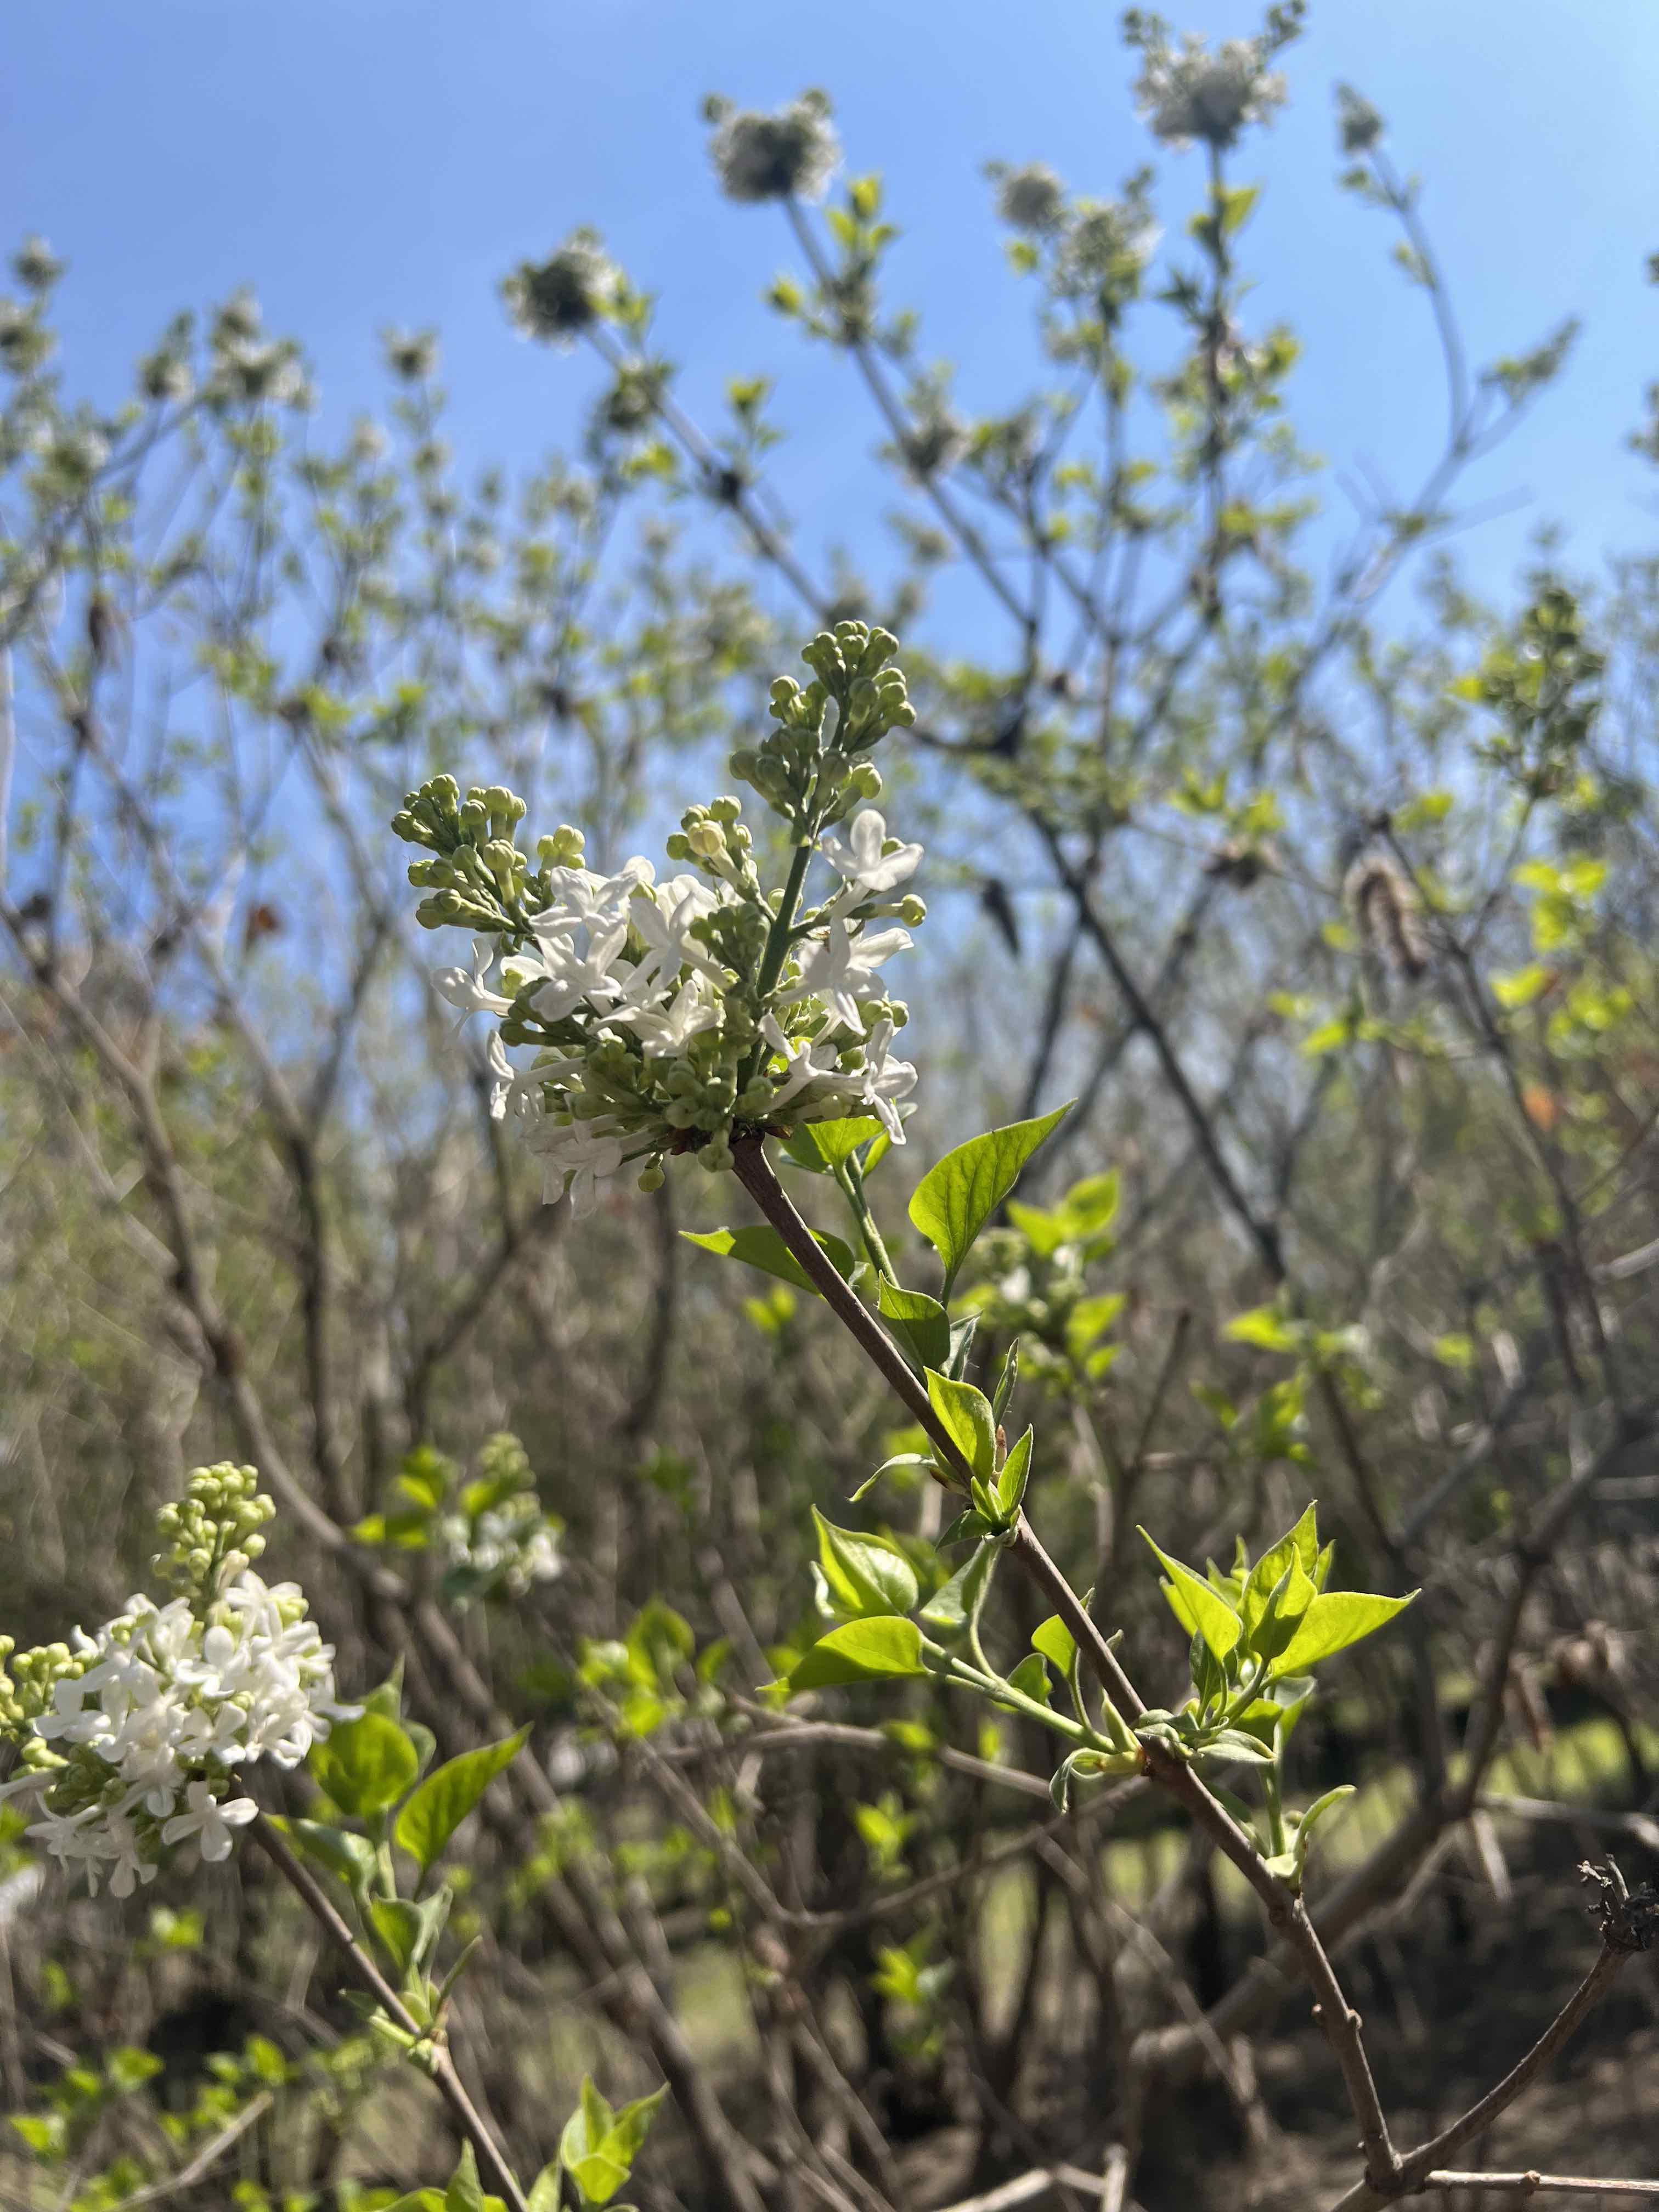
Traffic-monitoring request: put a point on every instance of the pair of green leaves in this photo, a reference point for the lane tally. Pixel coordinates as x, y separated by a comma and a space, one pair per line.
368, 1765
1278, 1613
1084, 1217
870, 1579
997, 1490
597, 2147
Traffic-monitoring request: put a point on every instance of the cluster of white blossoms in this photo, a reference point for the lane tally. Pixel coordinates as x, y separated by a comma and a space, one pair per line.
1190, 92
495, 1536
668, 1015
130, 1737
792, 154
511, 1546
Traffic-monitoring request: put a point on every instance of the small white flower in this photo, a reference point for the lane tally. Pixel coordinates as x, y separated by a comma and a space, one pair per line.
867, 869
802, 1070
886, 1080
466, 987
578, 1157
841, 970
208, 1821
663, 917
569, 976
669, 1029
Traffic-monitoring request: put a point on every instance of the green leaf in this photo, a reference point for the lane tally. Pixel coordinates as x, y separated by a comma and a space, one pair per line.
46, 2133
1057, 1644
1237, 1743
867, 1574
1090, 1318
545, 2190
1314, 1813
760, 1246
898, 1460
365, 1765
921, 1324
956, 1198
949, 1611
1523, 985
409, 1932
967, 1416
861, 1651
1281, 1613
1200, 1610
598, 2147
1335, 1619
465, 2191
419, 2200
338, 1849
130, 2067
1031, 1678
1092, 1764
443, 1799
1300, 1544
819, 1146
632, 2123
1013, 1475
1261, 1326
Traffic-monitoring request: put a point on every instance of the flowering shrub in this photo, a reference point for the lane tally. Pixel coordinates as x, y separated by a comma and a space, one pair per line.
1367, 1025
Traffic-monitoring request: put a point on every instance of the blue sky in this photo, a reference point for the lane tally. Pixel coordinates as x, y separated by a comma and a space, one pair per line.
370, 162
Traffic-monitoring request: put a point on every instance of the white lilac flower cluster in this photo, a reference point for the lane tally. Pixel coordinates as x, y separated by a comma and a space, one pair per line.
1187, 91
129, 1737
495, 1537
557, 299
511, 1546
792, 154
668, 1015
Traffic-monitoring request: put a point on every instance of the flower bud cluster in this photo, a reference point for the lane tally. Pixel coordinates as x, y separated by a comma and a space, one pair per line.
129, 1737
801, 765
667, 1016
478, 877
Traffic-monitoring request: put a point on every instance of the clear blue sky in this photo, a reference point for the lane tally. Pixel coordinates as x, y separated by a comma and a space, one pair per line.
369, 161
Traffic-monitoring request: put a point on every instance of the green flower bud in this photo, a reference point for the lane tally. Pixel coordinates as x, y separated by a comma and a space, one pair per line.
563, 849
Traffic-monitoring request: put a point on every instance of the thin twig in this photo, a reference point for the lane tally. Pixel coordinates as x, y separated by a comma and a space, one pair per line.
1530, 2183
204, 2160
